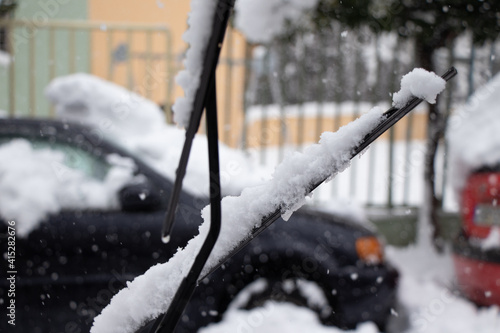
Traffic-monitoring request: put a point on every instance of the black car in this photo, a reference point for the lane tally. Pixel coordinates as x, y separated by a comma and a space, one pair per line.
69, 267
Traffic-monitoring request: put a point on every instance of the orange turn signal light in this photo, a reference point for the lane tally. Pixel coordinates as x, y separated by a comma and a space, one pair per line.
369, 250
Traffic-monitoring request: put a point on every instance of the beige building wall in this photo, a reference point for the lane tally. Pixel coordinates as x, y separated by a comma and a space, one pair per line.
151, 75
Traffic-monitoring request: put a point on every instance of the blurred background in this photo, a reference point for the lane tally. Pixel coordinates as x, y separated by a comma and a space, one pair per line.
279, 96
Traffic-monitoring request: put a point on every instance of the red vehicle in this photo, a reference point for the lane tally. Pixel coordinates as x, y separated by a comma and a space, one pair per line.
477, 264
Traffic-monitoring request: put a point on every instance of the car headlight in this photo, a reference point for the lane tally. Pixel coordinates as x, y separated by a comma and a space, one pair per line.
369, 249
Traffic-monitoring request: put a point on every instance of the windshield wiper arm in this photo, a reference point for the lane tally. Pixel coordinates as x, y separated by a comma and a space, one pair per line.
206, 98
212, 52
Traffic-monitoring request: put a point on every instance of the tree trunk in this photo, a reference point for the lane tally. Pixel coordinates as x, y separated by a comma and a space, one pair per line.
429, 226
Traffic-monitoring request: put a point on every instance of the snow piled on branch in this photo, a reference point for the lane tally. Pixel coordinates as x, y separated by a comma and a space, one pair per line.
150, 294
473, 133
138, 125
262, 20
36, 182
197, 36
419, 83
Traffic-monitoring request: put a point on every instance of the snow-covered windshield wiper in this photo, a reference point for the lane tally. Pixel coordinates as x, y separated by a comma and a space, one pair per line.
390, 118
205, 99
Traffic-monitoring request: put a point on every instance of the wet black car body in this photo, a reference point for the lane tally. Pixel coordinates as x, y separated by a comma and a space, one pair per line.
75, 261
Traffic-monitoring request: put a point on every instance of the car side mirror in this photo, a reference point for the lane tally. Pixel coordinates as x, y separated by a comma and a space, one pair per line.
139, 197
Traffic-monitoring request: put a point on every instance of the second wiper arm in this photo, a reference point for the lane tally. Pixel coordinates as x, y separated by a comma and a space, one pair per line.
220, 22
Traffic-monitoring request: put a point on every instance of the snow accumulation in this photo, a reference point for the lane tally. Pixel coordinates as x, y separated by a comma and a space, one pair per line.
197, 36
138, 125
473, 133
419, 83
262, 20
150, 294
36, 182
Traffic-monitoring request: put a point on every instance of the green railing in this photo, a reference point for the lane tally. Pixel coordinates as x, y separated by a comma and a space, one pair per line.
128, 54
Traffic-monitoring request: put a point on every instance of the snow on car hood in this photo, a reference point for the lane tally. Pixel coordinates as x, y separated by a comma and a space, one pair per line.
138, 125
474, 133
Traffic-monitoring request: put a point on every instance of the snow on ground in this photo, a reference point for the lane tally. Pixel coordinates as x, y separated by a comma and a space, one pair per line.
138, 125
427, 291
262, 20
36, 182
473, 134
